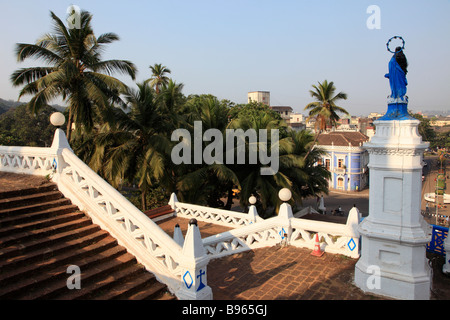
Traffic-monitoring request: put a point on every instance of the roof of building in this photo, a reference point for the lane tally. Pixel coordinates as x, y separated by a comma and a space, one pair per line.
281, 108
342, 138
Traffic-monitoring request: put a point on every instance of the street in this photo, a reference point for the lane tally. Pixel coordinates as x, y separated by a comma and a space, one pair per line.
428, 186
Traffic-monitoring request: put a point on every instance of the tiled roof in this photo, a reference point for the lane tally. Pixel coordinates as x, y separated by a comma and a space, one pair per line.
342, 138
281, 108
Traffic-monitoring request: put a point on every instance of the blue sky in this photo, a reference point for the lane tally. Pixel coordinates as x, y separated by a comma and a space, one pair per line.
228, 48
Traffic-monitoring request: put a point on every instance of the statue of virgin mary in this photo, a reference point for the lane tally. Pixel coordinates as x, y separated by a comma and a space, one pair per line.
397, 75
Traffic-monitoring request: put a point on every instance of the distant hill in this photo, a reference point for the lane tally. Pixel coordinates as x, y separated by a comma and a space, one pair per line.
5, 105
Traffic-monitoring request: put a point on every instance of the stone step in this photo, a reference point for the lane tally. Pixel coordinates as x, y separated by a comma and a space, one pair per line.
57, 209
103, 283
29, 199
48, 280
55, 289
28, 191
130, 287
41, 223
42, 234
30, 240
152, 291
54, 255
40, 206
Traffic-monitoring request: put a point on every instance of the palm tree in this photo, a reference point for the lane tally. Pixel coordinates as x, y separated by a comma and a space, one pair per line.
206, 184
136, 145
172, 97
324, 109
252, 182
74, 71
159, 77
308, 178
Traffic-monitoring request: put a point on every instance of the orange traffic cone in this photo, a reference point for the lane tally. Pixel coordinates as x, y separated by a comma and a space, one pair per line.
317, 252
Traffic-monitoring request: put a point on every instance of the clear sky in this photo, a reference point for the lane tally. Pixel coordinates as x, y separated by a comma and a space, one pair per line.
228, 48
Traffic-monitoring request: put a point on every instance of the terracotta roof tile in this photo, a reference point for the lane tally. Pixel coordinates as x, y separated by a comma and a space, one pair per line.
342, 138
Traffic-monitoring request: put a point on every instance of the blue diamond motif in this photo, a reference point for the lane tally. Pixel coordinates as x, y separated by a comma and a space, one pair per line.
55, 164
281, 233
351, 244
187, 278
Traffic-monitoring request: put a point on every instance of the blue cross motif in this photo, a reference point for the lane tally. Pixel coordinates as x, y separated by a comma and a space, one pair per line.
201, 285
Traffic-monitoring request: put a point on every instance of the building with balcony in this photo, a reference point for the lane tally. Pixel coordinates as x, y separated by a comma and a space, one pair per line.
345, 158
284, 111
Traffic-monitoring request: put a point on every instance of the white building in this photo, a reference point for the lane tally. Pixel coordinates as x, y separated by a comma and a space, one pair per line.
260, 97
297, 118
284, 111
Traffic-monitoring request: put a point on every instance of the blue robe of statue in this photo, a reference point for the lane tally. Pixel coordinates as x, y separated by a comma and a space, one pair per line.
397, 79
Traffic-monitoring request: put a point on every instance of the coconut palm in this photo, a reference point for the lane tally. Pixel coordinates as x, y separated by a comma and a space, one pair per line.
206, 183
136, 145
308, 178
252, 182
324, 110
159, 77
74, 71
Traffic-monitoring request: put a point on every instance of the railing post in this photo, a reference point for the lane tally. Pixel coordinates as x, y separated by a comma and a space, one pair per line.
173, 201
178, 235
59, 144
194, 262
352, 246
285, 215
252, 212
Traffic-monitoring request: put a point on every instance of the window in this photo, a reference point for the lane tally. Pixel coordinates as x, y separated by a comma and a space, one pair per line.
340, 163
320, 162
327, 164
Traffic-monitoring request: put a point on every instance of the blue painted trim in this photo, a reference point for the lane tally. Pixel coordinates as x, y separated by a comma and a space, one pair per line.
397, 111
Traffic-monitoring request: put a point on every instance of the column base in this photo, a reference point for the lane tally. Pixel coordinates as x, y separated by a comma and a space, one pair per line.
392, 285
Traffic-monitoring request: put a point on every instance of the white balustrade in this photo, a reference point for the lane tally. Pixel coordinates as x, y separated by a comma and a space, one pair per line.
285, 229
27, 160
217, 216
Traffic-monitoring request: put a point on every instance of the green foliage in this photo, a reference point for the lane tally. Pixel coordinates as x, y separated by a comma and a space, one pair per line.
425, 129
20, 127
442, 140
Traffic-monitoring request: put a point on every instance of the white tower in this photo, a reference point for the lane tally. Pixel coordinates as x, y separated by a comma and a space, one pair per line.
260, 97
393, 259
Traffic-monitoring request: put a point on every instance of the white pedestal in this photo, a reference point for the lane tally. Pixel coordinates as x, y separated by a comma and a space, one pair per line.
393, 259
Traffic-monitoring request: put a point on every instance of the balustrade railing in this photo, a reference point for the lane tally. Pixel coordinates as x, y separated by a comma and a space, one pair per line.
217, 216
282, 229
28, 160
